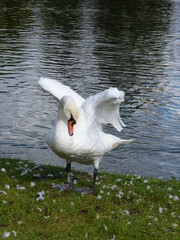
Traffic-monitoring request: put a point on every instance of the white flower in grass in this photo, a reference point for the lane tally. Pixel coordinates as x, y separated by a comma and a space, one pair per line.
169, 189
129, 223
32, 184
41, 196
86, 235
126, 212
97, 217
4, 202
6, 234
145, 181
3, 192
3, 170
118, 180
148, 187
114, 187
37, 175
114, 237
14, 233
39, 209
50, 175
99, 197
46, 217
160, 209
25, 172
105, 228
75, 181
176, 198
173, 214
174, 224
7, 186
98, 183
120, 194
18, 187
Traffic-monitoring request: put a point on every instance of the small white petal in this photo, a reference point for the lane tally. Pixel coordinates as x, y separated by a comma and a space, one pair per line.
32, 184
126, 212
3, 170
6, 234
41, 194
18, 187
7, 186
15, 234
97, 217
86, 235
3, 192
46, 217
99, 197
114, 237
75, 181
50, 175
176, 198
160, 209
39, 199
105, 227
39, 209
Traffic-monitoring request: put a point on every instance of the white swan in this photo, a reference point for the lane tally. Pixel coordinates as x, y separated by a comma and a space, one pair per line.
77, 135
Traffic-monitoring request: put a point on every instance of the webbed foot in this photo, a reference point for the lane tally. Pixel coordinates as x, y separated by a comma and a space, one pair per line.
63, 187
85, 190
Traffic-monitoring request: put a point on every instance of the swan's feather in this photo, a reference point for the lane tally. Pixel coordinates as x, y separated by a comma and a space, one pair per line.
104, 107
59, 90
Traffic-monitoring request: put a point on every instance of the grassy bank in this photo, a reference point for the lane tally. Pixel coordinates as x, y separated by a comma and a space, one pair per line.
123, 207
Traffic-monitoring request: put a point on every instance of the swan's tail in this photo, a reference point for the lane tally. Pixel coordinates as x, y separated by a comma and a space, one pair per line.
122, 141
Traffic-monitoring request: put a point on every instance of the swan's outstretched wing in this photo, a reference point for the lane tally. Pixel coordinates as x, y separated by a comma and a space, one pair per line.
60, 90
104, 108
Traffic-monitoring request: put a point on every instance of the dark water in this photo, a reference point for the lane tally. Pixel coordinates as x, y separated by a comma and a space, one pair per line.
90, 46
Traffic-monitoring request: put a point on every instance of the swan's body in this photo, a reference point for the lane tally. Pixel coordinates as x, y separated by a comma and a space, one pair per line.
83, 140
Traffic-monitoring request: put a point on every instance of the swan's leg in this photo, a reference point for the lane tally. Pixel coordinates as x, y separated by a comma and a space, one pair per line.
68, 185
92, 189
95, 173
68, 168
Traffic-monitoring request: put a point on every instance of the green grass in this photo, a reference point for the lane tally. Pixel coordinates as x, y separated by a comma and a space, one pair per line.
123, 207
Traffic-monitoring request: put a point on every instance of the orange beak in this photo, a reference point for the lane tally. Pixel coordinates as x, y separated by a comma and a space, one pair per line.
71, 123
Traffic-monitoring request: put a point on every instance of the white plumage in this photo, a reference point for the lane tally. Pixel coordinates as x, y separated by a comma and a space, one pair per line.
83, 140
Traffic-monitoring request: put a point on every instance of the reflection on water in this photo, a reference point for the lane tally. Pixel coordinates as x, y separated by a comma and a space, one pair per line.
92, 45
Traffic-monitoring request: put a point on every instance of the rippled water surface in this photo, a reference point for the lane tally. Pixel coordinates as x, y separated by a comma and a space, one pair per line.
90, 46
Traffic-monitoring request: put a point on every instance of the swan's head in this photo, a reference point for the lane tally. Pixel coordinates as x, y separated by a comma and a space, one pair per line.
70, 112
